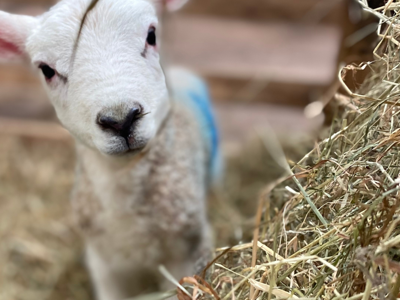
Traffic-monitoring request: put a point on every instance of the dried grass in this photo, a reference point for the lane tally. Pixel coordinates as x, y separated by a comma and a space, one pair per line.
338, 235
40, 254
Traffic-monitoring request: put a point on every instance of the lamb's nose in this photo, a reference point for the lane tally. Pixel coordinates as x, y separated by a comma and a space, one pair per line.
122, 128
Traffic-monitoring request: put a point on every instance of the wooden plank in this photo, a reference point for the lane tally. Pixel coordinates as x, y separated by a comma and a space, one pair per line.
287, 10
240, 123
250, 91
11, 73
34, 129
239, 49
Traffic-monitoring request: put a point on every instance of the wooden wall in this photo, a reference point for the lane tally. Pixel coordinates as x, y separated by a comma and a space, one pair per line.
21, 93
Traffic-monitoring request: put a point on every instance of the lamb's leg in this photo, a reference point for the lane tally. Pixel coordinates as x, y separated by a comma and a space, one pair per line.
178, 271
113, 284
193, 265
103, 281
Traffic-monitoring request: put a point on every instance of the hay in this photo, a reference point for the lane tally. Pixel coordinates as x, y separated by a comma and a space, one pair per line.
40, 253
338, 235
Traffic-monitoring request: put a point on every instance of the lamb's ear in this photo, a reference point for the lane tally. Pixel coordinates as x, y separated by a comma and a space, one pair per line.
14, 31
173, 5
170, 5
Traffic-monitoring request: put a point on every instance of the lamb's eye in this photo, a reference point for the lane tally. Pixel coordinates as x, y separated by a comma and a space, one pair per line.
48, 72
151, 37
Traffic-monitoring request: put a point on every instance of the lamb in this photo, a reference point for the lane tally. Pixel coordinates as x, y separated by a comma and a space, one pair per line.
146, 154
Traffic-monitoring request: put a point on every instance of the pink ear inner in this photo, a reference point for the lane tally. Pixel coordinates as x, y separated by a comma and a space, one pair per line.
173, 5
9, 48
12, 37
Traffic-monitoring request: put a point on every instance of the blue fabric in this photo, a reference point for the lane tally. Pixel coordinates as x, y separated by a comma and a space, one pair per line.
195, 95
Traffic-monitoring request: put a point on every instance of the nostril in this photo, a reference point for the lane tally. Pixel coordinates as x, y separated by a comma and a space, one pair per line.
133, 115
109, 123
124, 127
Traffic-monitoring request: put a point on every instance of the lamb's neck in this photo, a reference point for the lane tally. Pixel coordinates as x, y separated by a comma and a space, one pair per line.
108, 180
92, 160
113, 180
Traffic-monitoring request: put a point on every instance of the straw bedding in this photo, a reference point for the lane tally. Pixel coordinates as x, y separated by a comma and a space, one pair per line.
338, 235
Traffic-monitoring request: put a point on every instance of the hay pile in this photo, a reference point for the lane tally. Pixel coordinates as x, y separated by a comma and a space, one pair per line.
338, 236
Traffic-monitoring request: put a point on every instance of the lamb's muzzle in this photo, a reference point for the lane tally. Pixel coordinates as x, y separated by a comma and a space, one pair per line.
124, 127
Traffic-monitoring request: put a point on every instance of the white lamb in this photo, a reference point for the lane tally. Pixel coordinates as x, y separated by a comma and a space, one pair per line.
146, 156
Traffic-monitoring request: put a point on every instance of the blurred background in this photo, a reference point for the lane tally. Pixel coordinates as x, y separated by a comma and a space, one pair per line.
270, 64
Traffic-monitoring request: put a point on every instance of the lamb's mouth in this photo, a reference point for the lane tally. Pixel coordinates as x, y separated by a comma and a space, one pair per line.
127, 147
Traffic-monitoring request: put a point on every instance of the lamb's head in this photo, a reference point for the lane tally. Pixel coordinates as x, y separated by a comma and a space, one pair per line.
104, 77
